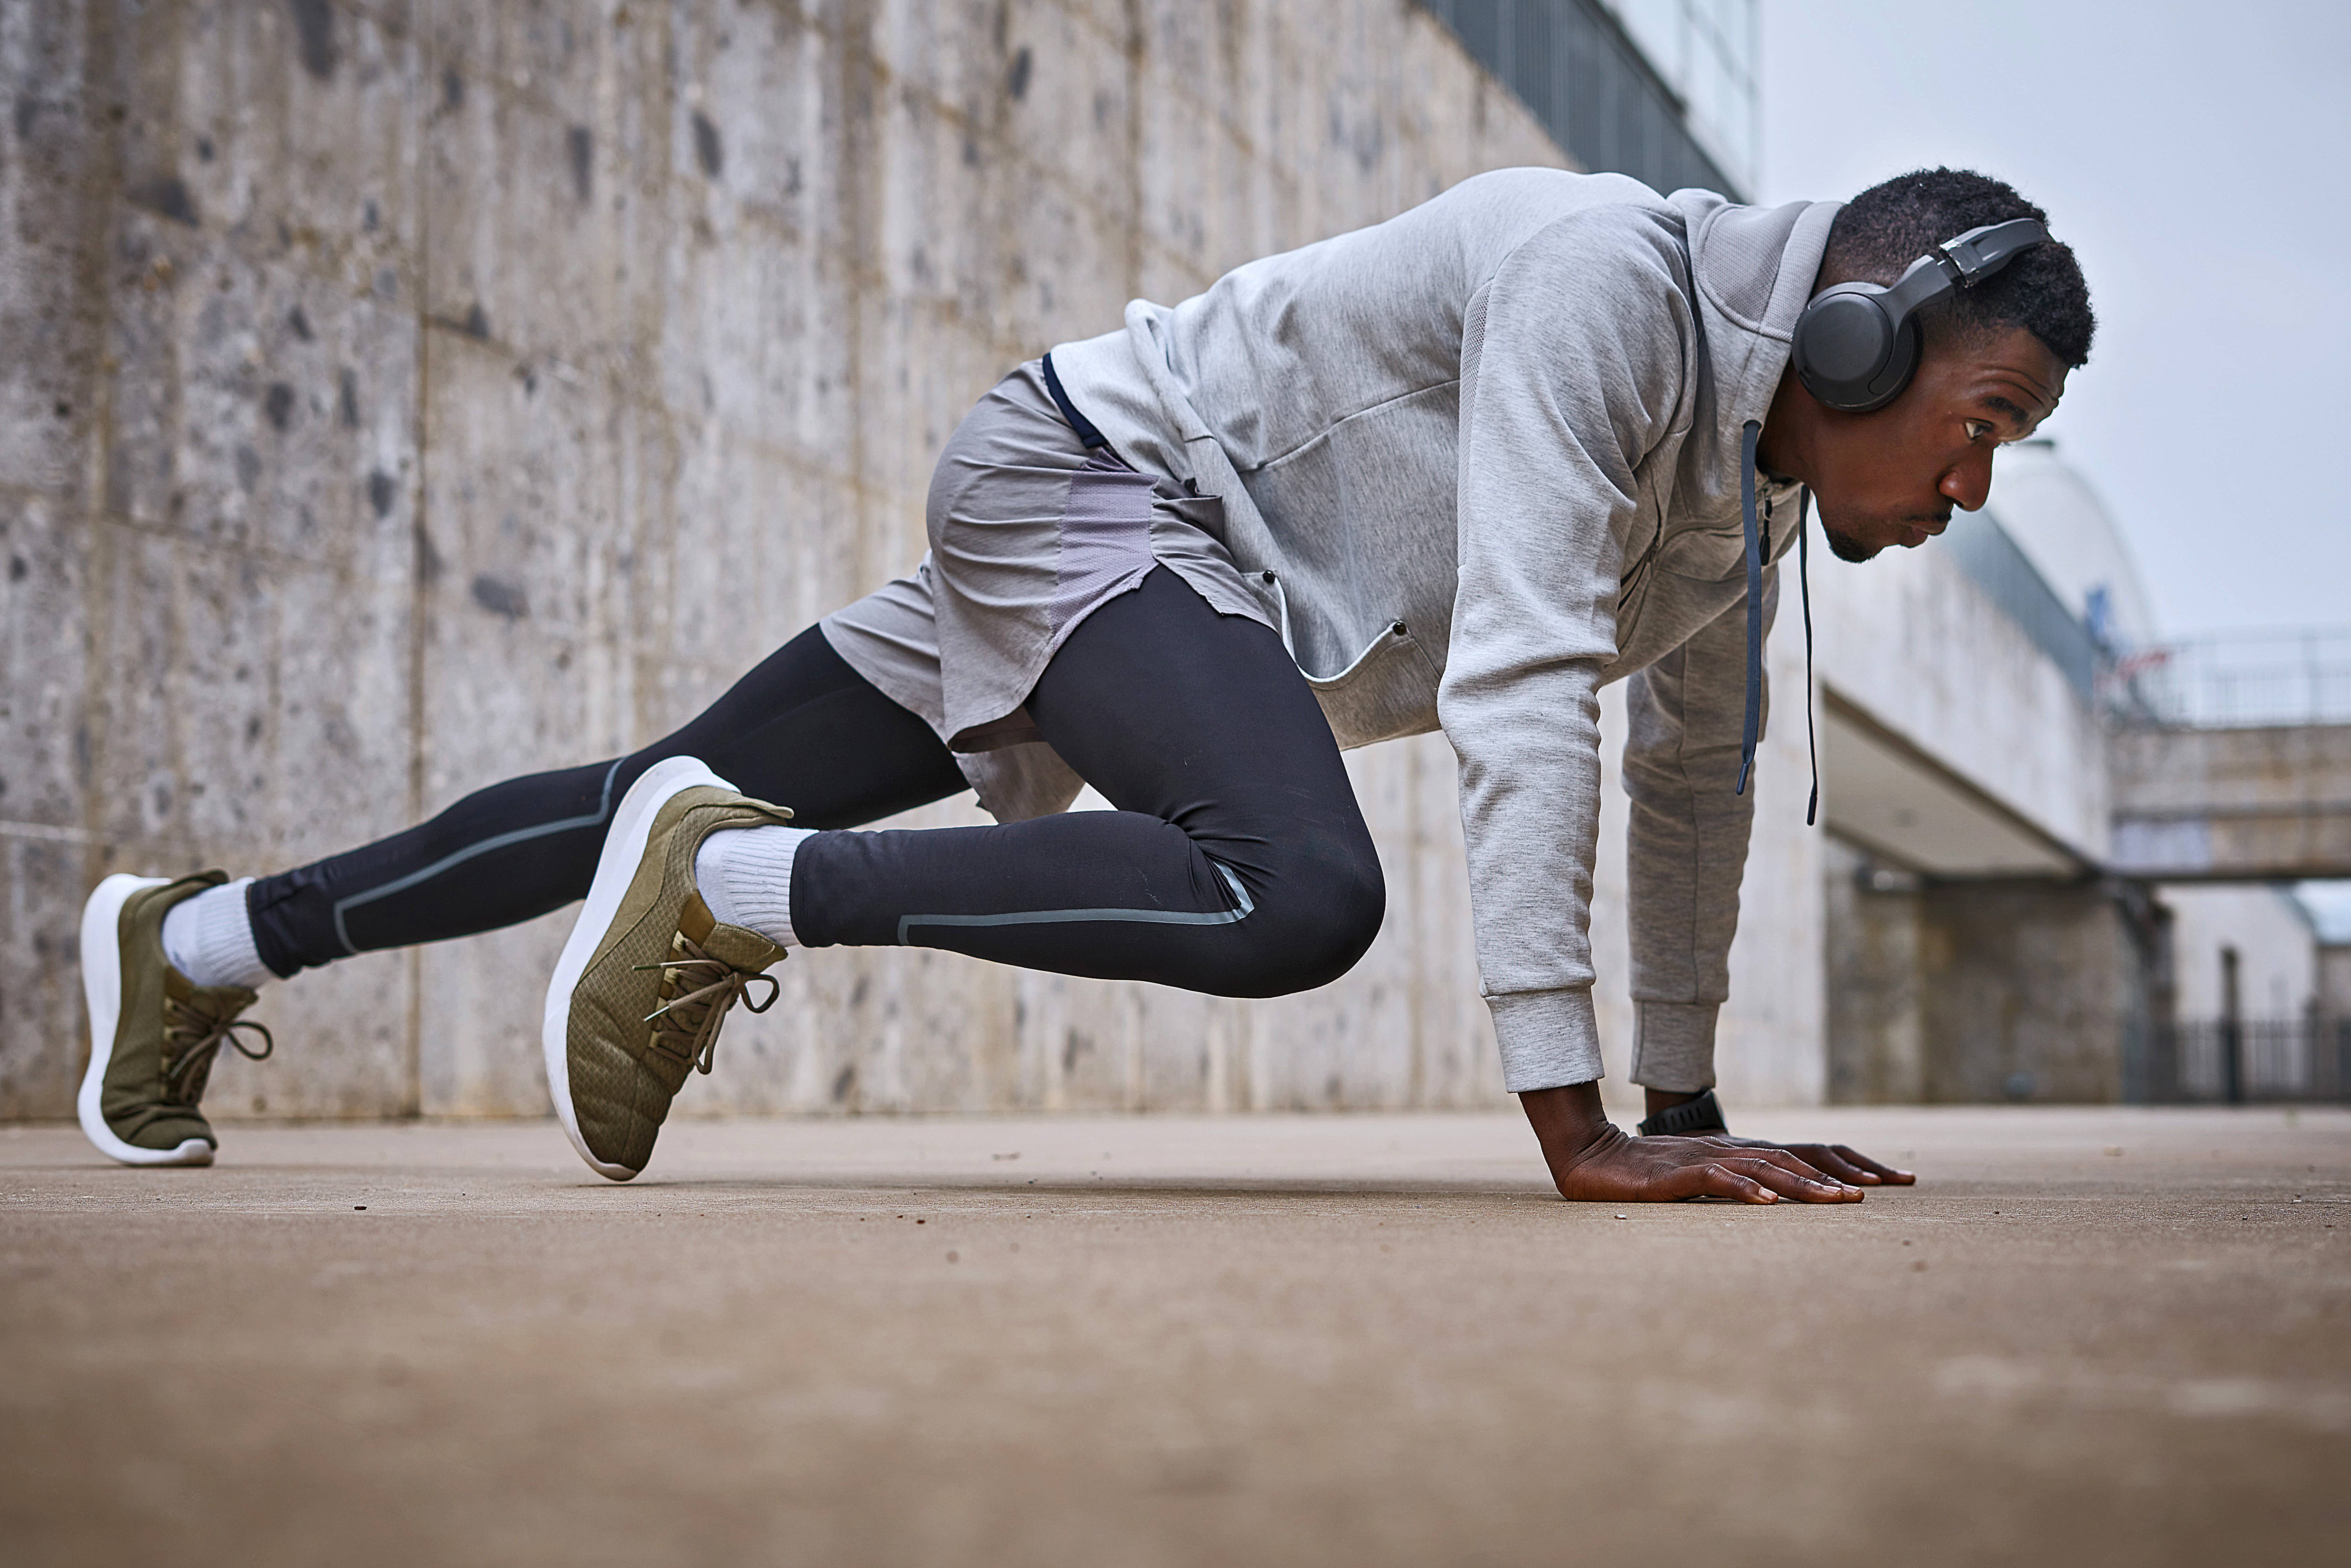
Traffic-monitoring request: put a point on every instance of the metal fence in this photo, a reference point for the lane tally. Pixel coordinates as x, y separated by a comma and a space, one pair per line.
2226, 1062
2235, 678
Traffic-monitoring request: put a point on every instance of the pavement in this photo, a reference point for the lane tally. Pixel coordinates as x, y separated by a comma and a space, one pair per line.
2087, 1336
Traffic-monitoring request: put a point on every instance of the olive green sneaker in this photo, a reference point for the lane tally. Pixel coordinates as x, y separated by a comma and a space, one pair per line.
154, 1036
648, 976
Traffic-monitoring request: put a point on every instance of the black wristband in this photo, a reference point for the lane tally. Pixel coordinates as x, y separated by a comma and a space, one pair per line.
1689, 1119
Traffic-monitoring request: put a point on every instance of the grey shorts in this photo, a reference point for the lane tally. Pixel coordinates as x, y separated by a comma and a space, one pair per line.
1031, 533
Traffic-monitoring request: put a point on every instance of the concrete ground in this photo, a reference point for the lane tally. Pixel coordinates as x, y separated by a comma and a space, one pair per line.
2087, 1337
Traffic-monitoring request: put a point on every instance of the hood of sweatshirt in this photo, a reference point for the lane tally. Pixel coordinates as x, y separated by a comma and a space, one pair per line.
1753, 268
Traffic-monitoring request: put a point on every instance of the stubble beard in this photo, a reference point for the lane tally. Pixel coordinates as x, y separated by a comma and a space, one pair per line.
1845, 546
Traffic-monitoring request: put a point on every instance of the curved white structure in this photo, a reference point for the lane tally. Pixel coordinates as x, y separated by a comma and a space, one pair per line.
2071, 538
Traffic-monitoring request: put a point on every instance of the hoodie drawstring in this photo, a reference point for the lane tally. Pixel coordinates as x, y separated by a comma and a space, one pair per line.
1748, 435
1804, 585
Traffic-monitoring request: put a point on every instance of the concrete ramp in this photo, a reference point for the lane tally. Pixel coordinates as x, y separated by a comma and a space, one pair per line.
2241, 804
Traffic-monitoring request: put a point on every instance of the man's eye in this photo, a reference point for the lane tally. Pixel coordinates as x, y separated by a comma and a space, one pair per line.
1978, 429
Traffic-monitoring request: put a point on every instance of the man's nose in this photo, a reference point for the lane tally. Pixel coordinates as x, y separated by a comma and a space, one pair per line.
1967, 483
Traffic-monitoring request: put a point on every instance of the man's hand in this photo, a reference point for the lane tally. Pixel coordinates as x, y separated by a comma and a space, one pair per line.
1830, 1159
1592, 1160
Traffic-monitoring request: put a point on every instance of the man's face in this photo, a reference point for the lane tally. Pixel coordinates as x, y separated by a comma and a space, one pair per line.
1892, 477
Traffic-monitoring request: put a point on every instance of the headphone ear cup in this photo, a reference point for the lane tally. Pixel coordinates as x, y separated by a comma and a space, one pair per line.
1845, 345
1901, 366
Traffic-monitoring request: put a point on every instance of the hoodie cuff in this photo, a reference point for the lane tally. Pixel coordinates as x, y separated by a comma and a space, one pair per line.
1549, 1039
1673, 1045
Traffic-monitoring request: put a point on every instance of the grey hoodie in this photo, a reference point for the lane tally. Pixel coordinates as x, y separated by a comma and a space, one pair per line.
1481, 460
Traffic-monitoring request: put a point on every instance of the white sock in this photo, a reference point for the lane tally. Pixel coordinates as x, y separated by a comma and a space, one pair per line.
745, 874
209, 938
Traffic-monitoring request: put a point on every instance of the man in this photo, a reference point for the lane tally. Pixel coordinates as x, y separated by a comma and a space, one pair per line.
1457, 470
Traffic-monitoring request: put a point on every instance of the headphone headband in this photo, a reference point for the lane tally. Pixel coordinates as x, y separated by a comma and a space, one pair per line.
1980, 253
1856, 344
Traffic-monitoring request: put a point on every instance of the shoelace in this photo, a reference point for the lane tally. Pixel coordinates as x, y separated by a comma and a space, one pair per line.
693, 1017
183, 1080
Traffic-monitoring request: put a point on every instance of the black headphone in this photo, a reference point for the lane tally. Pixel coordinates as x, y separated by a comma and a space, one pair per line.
1856, 345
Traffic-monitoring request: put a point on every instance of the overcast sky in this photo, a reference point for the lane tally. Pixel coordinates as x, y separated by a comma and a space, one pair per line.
2196, 156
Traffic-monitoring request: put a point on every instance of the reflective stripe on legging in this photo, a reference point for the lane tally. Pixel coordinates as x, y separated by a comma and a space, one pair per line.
520, 835
1060, 916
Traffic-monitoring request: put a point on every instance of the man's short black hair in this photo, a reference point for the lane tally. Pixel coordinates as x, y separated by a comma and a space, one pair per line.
1888, 226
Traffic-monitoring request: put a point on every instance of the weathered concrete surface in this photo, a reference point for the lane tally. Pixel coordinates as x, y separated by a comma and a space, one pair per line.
1967, 992
2242, 805
401, 396
2036, 990
1876, 931
2087, 1337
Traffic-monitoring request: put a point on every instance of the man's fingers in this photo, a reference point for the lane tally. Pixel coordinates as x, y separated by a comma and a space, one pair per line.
1803, 1184
1717, 1181
1881, 1172
1836, 1160
1794, 1164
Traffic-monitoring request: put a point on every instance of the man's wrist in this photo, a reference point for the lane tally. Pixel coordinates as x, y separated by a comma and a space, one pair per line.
1569, 1123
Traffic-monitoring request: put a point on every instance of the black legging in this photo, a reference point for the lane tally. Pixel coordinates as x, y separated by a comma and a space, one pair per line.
1237, 862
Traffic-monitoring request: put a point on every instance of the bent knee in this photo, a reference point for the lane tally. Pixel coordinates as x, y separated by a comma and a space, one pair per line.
1312, 922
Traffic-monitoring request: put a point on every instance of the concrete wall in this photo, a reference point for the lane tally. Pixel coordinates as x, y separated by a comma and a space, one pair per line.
403, 396
1876, 932
2334, 979
2001, 989
2033, 991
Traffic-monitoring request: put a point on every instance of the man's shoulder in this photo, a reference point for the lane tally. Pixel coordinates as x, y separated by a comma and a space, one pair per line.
1457, 240
1616, 270
1522, 203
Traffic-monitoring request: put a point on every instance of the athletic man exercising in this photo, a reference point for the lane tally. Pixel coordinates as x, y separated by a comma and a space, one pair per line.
1455, 471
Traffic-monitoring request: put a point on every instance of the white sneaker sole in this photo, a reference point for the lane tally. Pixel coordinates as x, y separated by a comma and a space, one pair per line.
102, 989
616, 867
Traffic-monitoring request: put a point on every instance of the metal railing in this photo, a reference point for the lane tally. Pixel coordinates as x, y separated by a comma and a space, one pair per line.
2237, 1061
2233, 679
